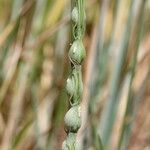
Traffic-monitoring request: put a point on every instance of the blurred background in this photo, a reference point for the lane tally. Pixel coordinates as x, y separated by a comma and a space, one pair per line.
35, 36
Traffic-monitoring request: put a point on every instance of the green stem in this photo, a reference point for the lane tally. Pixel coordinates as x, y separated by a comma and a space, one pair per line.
76, 56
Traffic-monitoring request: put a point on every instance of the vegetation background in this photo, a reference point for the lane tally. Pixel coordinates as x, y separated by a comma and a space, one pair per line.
35, 36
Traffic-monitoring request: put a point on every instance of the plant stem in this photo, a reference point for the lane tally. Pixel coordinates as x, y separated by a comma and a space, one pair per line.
74, 84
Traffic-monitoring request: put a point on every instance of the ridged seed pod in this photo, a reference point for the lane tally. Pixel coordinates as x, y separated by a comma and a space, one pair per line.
70, 86
77, 52
75, 15
69, 143
73, 119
